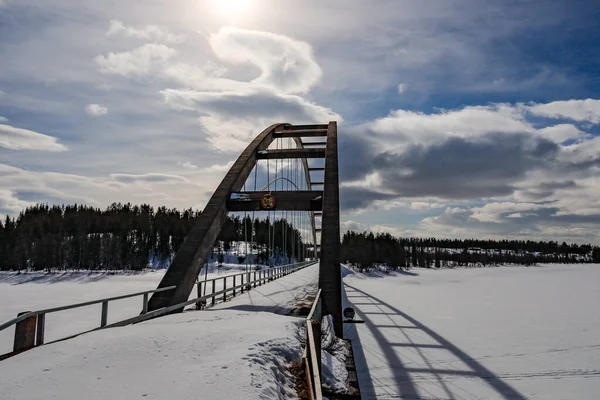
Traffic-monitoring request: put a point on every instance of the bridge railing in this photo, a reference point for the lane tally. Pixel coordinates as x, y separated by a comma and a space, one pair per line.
242, 281
312, 352
30, 326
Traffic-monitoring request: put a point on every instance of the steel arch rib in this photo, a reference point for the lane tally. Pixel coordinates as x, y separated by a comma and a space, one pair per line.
199, 242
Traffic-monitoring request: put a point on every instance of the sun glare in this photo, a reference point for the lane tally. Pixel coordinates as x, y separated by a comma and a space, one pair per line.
233, 6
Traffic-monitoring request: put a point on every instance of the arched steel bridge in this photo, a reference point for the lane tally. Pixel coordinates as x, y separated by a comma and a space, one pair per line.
320, 203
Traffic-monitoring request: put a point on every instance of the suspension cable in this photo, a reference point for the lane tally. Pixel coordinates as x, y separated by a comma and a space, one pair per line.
253, 229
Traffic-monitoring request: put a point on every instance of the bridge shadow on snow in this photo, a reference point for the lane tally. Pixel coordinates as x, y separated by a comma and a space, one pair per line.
398, 355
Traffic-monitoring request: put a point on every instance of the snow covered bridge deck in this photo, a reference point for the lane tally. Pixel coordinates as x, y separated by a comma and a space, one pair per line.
236, 350
493, 333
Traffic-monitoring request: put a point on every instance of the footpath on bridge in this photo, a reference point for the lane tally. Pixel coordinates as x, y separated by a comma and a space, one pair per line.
236, 350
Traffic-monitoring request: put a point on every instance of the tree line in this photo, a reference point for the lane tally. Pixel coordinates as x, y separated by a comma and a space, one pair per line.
125, 236
367, 249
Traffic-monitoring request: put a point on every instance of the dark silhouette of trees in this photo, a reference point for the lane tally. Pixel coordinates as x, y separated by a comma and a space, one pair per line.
124, 236
366, 249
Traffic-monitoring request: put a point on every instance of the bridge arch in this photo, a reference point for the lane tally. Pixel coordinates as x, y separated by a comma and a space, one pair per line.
197, 246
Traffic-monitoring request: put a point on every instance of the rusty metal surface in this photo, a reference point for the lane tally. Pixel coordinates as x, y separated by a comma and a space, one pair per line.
280, 154
25, 333
296, 200
330, 281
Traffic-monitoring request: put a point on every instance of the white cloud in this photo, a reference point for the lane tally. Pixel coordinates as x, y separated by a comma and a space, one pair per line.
351, 225
3, 119
10, 204
232, 119
148, 178
402, 126
496, 212
587, 110
21, 188
187, 165
149, 32
563, 132
22, 139
137, 62
96, 110
421, 205
286, 65
402, 87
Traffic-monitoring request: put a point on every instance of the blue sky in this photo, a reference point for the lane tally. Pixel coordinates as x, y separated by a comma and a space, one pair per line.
456, 118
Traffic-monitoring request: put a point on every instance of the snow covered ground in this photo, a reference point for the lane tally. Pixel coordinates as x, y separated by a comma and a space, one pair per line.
238, 350
486, 333
40, 290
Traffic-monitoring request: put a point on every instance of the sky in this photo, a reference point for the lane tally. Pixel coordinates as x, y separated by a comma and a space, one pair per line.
455, 118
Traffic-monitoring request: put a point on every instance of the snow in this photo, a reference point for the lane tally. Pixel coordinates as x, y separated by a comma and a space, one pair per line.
40, 290
333, 358
229, 351
213, 355
279, 296
488, 333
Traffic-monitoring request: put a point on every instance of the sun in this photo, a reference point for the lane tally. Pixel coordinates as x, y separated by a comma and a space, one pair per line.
233, 6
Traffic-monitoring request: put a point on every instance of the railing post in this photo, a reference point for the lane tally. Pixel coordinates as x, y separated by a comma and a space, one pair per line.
145, 304
104, 317
225, 288
234, 285
24, 333
199, 292
41, 328
242, 283
254, 278
316, 328
214, 289
249, 282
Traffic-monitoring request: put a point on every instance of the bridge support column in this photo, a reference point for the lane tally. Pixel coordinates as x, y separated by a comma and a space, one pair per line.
330, 279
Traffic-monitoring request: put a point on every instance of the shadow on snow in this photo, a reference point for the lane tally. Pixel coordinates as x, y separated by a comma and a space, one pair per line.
406, 385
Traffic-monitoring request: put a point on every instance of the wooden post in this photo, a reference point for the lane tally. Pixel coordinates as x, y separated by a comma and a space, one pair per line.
214, 289
234, 285
24, 333
41, 328
254, 278
242, 283
225, 288
249, 282
199, 292
104, 317
145, 305
316, 328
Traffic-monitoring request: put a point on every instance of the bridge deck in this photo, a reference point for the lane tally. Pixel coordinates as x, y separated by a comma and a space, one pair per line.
281, 296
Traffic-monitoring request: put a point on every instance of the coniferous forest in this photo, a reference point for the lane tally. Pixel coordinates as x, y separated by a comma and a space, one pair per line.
127, 237
123, 237
365, 250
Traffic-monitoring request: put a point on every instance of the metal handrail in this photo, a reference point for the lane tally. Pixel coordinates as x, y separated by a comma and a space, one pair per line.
313, 349
277, 272
78, 305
